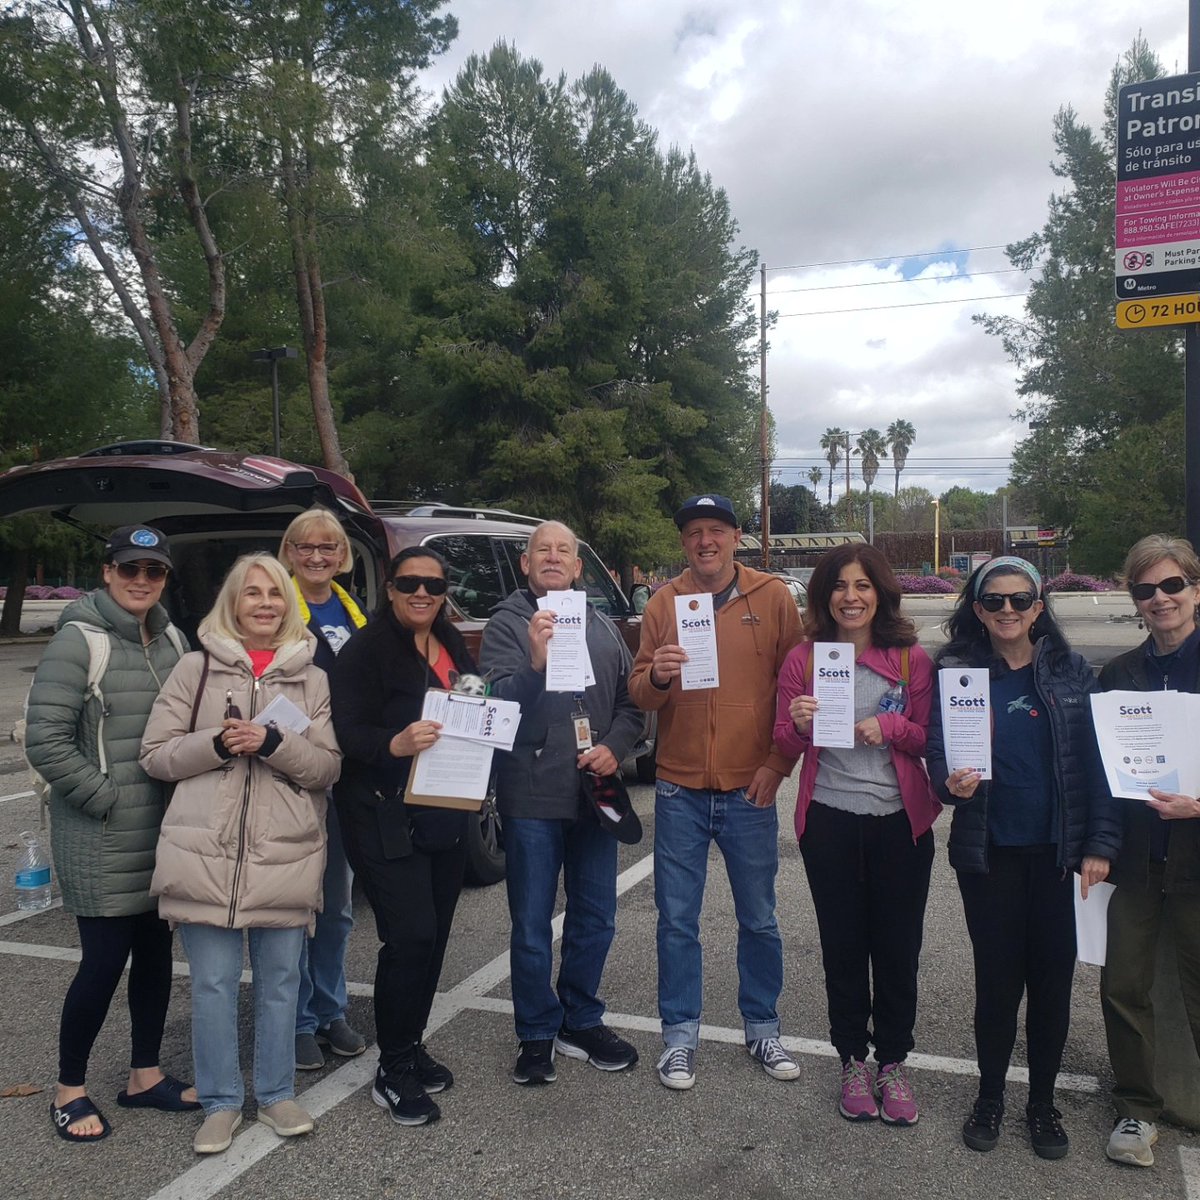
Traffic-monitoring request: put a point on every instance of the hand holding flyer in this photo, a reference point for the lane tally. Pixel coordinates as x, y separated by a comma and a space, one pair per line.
697, 628
1148, 740
833, 689
967, 719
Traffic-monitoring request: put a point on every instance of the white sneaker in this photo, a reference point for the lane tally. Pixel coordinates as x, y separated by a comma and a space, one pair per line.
775, 1060
677, 1068
1131, 1141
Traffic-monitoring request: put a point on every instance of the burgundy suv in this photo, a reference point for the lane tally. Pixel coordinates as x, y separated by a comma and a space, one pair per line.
216, 505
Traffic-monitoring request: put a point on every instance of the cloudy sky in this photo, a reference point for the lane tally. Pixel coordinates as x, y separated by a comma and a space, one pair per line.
913, 138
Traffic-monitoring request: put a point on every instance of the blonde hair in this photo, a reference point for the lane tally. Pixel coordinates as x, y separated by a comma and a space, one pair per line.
1156, 548
222, 618
301, 529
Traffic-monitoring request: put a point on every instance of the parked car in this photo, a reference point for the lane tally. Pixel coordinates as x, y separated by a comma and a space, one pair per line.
798, 591
216, 505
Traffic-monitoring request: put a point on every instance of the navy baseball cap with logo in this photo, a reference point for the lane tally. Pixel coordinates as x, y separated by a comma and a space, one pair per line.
720, 508
132, 543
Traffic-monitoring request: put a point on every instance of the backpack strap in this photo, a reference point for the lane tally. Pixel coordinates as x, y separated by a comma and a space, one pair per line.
99, 652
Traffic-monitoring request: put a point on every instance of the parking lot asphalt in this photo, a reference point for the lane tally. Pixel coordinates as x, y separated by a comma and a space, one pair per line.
591, 1134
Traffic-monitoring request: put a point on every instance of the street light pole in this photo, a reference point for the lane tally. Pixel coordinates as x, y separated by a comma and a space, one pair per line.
937, 535
273, 356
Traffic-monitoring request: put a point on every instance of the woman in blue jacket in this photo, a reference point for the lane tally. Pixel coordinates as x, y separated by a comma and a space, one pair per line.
1016, 838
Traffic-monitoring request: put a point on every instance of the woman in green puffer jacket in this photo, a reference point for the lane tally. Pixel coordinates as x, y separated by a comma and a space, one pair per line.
105, 822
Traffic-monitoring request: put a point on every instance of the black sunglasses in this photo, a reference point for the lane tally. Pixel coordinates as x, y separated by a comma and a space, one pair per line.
1171, 587
408, 584
155, 572
994, 601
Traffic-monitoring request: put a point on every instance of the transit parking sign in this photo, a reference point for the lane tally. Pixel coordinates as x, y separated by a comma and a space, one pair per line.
1158, 190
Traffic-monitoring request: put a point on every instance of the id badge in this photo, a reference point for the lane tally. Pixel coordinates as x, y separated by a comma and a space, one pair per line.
583, 730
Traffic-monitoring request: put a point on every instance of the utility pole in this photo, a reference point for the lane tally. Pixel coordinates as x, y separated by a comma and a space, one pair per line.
1191, 354
763, 438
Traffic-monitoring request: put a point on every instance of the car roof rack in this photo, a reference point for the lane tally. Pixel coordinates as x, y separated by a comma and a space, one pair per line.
423, 508
144, 446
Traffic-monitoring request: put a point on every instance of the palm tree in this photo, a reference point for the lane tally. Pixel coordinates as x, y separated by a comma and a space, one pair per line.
833, 443
900, 436
815, 475
870, 444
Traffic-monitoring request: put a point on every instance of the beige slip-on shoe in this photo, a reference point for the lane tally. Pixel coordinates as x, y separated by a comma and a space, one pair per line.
286, 1117
216, 1134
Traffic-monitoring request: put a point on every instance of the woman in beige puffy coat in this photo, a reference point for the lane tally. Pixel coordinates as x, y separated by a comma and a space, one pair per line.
242, 845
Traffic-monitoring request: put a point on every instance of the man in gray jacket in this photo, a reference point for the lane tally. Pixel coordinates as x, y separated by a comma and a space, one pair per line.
548, 830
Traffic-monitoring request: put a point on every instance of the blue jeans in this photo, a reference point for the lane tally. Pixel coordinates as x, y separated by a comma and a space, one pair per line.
685, 822
215, 958
322, 996
537, 851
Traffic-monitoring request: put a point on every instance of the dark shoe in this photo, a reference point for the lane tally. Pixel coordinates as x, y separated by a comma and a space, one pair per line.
405, 1098
341, 1039
74, 1111
309, 1056
166, 1095
982, 1128
598, 1045
433, 1076
1046, 1133
535, 1062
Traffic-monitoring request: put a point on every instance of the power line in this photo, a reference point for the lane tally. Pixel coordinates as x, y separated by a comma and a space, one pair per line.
833, 312
835, 287
846, 262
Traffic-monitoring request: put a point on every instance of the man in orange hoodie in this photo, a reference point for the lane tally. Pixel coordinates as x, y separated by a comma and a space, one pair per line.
718, 772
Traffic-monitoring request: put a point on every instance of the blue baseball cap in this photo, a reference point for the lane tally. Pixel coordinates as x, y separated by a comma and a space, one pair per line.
720, 508
134, 542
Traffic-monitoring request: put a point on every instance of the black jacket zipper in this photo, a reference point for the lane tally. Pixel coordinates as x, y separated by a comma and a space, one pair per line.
241, 852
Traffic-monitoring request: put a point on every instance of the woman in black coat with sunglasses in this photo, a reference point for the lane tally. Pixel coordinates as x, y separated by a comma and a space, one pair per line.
408, 861
1154, 888
1016, 838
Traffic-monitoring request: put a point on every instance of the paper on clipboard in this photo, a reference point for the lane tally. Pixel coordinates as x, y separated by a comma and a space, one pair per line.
452, 773
474, 718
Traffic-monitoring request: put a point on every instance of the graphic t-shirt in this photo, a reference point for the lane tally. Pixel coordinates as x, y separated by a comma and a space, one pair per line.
333, 621
1021, 801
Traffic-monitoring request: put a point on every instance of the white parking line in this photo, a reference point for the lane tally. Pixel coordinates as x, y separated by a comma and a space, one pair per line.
1189, 1161
24, 914
16, 796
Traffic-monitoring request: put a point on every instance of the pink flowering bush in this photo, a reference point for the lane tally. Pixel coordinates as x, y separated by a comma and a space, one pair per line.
1069, 581
925, 585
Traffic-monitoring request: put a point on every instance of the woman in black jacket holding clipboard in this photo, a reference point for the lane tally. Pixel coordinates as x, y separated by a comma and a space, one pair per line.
409, 861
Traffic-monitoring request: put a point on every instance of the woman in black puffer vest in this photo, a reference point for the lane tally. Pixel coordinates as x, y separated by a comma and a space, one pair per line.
1016, 838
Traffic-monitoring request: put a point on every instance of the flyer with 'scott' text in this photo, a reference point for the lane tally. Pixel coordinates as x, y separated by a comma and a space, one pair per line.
1148, 740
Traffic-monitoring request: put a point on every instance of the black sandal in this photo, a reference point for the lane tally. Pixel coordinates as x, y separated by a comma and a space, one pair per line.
73, 1111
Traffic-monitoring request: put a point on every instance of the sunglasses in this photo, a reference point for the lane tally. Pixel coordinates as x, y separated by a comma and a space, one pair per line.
154, 572
408, 584
994, 601
1170, 587
308, 549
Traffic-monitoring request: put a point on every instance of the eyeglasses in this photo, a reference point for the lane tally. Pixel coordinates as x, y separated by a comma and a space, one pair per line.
308, 549
408, 584
1171, 586
994, 601
154, 572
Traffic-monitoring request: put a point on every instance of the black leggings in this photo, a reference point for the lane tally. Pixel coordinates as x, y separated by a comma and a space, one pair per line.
413, 898
107, 942
1021, 918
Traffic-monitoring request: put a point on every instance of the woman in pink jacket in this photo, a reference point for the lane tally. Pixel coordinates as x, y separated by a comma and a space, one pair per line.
864, 817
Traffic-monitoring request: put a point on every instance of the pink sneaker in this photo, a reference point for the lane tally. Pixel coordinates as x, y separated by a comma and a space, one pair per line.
896, 1102
858, 1104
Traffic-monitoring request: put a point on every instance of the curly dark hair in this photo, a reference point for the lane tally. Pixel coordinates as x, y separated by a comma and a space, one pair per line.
442, 622
889, 627
969, 638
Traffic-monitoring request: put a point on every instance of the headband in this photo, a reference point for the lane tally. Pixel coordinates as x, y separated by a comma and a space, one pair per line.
1010, 561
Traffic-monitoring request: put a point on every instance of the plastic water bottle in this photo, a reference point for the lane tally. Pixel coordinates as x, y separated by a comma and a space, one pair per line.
895, 699
33, 875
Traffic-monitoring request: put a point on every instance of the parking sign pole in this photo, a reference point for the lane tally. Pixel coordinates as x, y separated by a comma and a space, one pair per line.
1191, 351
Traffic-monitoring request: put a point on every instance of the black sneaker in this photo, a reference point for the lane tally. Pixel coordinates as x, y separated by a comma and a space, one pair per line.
982, 1128
405, 1098
598, 1045
433, 1076
535, 1062
1045, 1131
